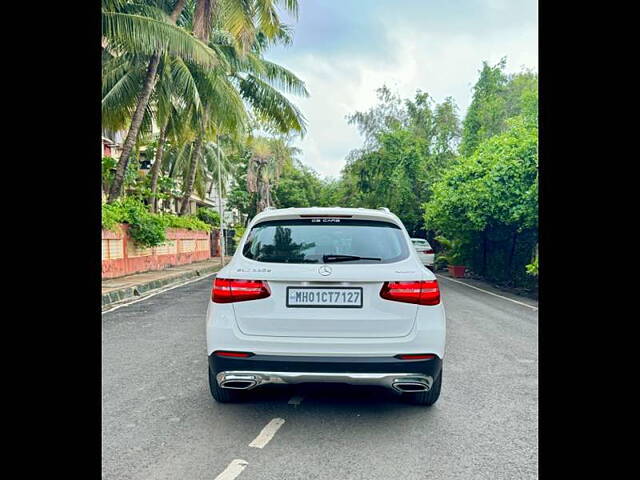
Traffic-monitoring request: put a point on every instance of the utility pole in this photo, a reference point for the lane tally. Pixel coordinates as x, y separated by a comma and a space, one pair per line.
220, 203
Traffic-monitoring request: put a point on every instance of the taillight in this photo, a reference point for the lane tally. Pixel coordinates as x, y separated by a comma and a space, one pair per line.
226, 290
428, 250
416, 356
221, 353
422, 293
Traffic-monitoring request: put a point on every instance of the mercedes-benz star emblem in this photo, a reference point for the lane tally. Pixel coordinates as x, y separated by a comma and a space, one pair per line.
324, 270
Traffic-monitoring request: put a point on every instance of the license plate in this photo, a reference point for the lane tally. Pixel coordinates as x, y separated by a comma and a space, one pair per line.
335, 297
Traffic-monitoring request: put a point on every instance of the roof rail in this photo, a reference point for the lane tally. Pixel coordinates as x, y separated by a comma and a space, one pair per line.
269, 208
384, 209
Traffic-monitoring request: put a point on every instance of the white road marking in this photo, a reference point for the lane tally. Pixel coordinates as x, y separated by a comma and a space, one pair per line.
490, 293
296, 400
234, 469
158, 292
267, 433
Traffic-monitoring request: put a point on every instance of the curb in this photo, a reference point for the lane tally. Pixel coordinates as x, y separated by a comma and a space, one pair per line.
117, 296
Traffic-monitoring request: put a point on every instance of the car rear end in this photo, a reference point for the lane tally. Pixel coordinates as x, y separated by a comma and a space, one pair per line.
325, 295
425, 252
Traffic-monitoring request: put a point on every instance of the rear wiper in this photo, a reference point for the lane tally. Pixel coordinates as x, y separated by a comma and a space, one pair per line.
345, 258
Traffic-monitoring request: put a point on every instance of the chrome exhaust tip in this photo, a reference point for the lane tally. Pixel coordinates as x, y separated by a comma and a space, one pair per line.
237, 382
413, 386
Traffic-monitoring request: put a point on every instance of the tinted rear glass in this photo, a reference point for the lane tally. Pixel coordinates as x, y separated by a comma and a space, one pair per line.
307, 240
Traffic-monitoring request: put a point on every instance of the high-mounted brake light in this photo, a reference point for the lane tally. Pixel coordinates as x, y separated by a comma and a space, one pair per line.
233, 354
325, 216
227, 290
424, 292
416, 356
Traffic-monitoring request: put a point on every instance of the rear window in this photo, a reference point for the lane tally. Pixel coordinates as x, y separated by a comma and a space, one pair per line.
420, 243
308, 240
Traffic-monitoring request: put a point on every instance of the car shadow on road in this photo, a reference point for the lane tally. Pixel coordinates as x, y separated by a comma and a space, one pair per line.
329, 395
369, 411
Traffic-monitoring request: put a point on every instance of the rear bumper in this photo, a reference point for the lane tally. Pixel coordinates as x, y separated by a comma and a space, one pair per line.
389, 372
428, 334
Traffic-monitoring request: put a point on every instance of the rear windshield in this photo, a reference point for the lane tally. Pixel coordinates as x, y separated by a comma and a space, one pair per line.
421, 243
308, 240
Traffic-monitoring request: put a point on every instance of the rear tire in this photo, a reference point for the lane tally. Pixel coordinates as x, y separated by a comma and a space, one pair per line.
425, 398
223, 395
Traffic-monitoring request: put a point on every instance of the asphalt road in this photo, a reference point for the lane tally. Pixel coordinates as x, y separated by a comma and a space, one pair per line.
160, 422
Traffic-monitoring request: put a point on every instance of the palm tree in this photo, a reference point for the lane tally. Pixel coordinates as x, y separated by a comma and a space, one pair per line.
206, 173
180, 85
269, 157
175, 162
143, 28
140, 28
221, 110
249, 80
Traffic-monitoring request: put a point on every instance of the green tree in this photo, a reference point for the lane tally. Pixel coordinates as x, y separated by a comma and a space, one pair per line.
299, 186
209, 216
408, 144
487, 110
497, 97
393, 175
144, 28
193, 105
255, 81
495, 190
268, 157
389, 113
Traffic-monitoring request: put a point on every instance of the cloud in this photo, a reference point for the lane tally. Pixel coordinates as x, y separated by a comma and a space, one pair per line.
435, 48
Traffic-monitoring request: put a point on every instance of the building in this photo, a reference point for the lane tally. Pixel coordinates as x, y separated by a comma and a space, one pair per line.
109, 147
112, 143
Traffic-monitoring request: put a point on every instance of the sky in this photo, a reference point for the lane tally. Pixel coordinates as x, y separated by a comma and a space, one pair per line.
345, 49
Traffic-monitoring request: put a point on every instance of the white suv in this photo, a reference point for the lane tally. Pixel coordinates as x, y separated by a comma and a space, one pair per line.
326, 295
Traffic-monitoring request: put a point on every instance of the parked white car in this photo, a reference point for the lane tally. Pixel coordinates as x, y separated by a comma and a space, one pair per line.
326, 295
425, 252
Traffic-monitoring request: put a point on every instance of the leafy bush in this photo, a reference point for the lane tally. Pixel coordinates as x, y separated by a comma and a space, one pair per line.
209, 216
146, 229
112, 215
452, 253
190, 222
532, 268
136, 184
167, 188
108, 172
